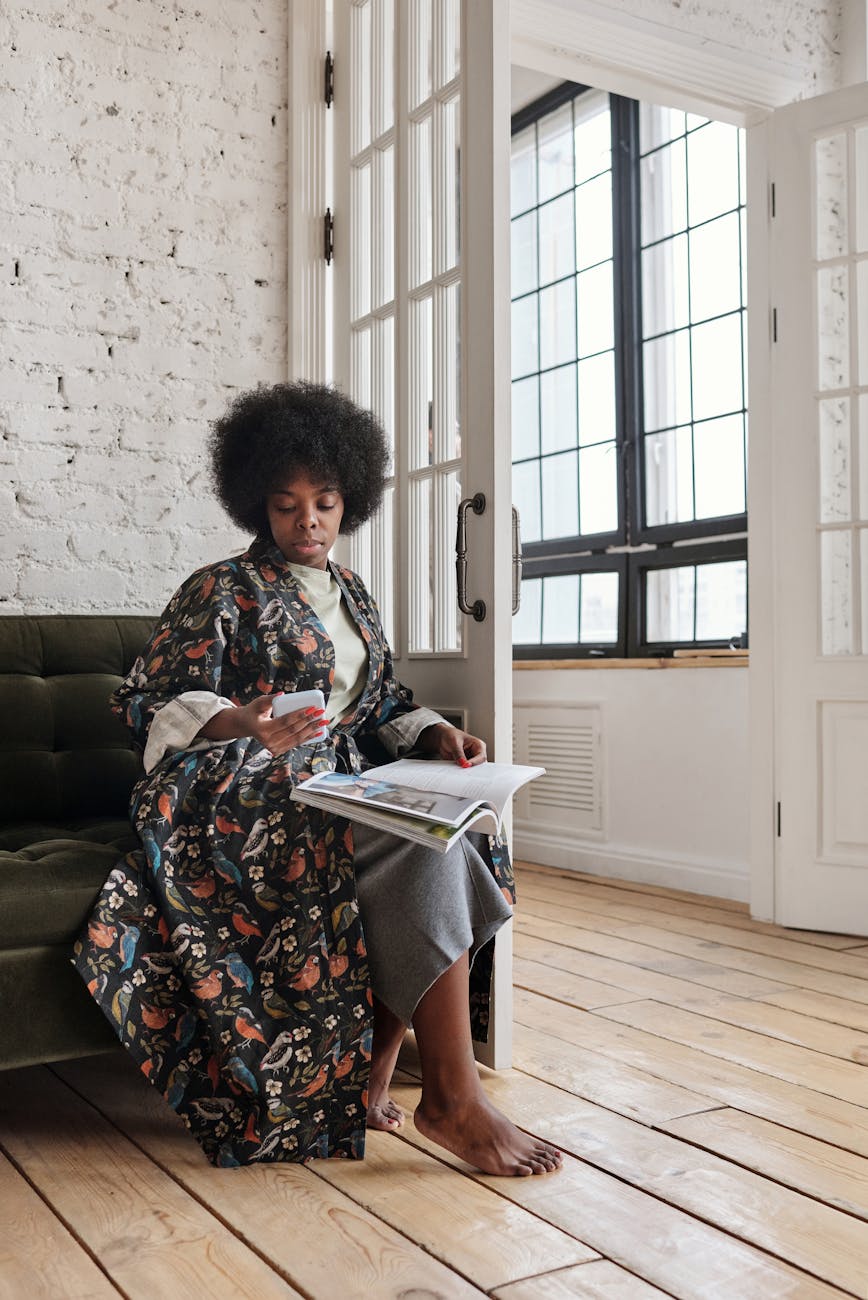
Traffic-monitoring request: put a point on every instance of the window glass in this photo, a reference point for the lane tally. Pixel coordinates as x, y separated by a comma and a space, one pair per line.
594, 221
598, 488
666, 377
594, 295
560, 495
597, 399
555, 153
693, 320
629, 370
716, 367
593, 135
669, 477
712, 171
721, 600
560, 610
556, 239
558, 405
665, 286
599, 607
670, 604
658, 125
718, 457
557, 324
715, 268
664, 192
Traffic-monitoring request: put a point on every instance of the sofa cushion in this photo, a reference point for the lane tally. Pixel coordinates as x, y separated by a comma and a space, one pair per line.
50, 877
63, 753
115, 831
48, 1014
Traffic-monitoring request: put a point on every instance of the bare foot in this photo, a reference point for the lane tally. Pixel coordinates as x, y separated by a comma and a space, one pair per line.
481, 1135
385, 1114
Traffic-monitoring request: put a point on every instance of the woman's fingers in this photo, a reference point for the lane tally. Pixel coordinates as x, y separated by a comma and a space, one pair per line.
463, 749
474, 750
292, 729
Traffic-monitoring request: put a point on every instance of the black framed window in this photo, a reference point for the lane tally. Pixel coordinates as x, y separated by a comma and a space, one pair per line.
570, 601
629, 343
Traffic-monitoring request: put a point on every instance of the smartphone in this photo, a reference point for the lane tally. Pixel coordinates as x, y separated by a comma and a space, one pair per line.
294, 700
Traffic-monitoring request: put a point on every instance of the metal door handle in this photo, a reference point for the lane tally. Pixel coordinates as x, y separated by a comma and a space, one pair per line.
516, 561
477, 505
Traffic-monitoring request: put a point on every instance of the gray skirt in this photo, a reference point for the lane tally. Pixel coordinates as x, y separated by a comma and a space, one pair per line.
420, 911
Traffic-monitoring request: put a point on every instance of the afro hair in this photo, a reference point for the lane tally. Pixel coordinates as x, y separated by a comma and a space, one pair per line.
271, 432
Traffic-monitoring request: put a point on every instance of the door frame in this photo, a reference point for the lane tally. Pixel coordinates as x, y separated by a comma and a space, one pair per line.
666, 66
595, 44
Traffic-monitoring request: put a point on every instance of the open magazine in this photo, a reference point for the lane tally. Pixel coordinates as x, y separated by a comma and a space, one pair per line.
423, 800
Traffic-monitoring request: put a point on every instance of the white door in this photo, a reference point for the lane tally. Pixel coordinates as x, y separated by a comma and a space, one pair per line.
421, 328
818, 159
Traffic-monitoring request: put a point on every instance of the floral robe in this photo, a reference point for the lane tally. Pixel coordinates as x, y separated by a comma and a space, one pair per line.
228, 952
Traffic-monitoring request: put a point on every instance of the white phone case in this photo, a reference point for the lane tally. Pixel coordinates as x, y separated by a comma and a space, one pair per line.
294, 700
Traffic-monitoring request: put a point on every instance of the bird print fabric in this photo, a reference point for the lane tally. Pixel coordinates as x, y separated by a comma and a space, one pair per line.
228, 952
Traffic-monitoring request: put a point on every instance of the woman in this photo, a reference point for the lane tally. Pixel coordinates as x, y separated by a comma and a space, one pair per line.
259, 959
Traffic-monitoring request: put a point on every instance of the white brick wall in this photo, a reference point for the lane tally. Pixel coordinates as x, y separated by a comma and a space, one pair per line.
142, 282
804, 33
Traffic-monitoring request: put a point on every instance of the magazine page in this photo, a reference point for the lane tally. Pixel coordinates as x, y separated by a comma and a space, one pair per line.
439, 838
492, 783
370, 788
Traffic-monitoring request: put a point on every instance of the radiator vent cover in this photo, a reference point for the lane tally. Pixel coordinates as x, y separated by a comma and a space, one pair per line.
565, 739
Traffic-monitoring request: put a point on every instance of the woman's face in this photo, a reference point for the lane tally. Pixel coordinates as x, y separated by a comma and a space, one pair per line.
305, 516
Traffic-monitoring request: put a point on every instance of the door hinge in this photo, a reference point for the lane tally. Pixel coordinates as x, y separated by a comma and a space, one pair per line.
778, 819
329, 79
773, 200
328, 236
774, 324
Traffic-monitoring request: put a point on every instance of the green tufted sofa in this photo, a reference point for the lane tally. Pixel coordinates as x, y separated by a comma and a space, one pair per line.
66, 771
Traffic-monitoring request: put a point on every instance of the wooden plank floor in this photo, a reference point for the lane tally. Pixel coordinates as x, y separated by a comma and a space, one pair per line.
699, 1069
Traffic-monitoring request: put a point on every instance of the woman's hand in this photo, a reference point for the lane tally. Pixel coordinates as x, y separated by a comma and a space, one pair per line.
277, 735
443, 741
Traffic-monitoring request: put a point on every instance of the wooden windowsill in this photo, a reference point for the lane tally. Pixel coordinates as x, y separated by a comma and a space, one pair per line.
728, 659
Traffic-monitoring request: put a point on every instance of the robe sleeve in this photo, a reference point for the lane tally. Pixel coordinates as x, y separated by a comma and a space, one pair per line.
399, 734
176, 725
174, 687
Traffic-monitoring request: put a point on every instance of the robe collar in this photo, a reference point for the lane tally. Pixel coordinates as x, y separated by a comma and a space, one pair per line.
265, 551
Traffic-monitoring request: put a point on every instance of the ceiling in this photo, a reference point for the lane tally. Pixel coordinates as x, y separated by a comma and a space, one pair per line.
528, 86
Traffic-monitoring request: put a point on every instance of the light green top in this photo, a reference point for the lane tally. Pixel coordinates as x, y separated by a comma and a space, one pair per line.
351, 652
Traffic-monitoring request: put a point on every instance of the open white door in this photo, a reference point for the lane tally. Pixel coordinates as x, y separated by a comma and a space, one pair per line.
818, 164
422, 337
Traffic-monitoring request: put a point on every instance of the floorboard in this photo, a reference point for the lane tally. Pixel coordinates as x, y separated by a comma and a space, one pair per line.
698, 1068
39, 1256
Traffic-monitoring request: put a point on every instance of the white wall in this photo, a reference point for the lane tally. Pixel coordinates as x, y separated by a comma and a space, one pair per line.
803, 33
142, 281
675, 776
732, 61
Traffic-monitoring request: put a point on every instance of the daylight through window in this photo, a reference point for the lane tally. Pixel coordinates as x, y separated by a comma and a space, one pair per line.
629, 384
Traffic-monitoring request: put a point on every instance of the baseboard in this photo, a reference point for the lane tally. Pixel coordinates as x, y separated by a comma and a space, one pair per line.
553, 850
